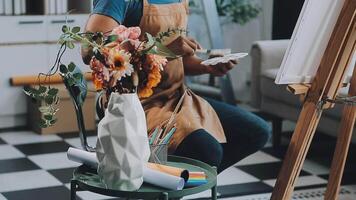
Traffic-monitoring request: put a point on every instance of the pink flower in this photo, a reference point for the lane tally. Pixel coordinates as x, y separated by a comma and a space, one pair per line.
135, 32
96, 65
118, 30
123, 33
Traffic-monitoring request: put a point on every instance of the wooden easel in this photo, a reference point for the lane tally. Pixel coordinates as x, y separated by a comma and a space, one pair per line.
319, 96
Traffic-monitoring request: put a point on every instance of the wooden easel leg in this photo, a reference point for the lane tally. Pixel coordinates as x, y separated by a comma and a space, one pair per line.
340, 154
342, 146
297, 150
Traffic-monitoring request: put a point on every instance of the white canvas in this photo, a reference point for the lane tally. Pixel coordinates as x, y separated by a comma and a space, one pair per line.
309, 41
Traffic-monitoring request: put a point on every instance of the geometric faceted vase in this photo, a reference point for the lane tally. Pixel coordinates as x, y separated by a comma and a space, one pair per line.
122, 147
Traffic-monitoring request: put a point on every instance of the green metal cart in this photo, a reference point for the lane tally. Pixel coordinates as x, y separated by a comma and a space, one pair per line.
86, 179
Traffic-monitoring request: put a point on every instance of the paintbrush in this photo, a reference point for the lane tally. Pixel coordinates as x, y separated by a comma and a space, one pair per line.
213, 51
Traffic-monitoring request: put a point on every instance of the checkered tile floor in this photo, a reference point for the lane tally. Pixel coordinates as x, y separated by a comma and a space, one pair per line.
36, 167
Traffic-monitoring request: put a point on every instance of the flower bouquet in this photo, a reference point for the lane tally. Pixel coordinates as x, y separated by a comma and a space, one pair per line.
126, 65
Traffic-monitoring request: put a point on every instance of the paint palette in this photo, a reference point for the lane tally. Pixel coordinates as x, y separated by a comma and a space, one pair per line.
224, 59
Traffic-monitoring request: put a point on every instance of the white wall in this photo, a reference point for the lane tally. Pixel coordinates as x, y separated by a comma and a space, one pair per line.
240, 38
27, 49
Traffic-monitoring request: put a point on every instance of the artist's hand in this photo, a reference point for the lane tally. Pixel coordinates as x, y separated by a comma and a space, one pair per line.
184, 46
220, 69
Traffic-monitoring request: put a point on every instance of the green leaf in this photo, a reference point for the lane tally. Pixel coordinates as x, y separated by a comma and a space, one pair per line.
78, 76
38, 97
48, 117
63, 69
52, 122
111, 38
65, 29
70, 44
49, 99
53, 91
42, 89
71, 67
151, 40
44, 109
71, 81
30, 91
61, 41
43, 123
76, 29
164, 51
77, 88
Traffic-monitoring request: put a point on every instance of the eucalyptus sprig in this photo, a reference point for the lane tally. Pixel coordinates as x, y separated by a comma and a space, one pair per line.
47, 95
49, 99
171, 31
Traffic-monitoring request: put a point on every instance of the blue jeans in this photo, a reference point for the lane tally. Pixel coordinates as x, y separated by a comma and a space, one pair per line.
245, 132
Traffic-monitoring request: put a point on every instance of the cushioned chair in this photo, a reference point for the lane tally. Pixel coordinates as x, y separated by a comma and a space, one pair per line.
274, 99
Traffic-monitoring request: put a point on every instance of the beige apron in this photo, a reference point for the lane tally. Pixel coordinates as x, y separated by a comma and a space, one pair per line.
194, 112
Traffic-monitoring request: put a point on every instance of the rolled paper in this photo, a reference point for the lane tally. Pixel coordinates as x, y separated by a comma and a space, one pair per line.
175, 171
197, 175
84, 157
161, 179
197, 178
194, 183
150, 176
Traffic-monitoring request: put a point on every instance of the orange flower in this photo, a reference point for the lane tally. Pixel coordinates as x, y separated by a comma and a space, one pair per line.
154, 76
98, 82
145, 92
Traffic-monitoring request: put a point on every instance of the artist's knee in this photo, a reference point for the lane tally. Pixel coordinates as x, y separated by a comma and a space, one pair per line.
262, 133
214, 156
202, 146
208, 149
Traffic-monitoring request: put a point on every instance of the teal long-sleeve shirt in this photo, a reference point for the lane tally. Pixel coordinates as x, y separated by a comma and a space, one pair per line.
126, 12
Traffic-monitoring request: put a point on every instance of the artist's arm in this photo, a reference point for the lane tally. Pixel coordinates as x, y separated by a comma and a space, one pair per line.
192, 64
96, 23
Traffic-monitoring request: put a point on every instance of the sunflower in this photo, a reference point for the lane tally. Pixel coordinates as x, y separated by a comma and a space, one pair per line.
119, 61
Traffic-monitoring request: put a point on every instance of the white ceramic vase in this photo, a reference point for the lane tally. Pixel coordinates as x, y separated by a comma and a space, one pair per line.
122, 147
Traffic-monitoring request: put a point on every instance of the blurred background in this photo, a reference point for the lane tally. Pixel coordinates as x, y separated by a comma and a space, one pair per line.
36, 157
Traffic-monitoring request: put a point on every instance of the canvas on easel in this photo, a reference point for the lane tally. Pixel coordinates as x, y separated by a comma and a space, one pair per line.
309, 40
325, 62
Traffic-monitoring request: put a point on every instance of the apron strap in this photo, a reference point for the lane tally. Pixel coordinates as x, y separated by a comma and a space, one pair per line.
186, 5
145, 3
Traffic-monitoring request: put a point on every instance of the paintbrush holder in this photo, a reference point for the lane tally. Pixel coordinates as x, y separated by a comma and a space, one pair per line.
159, 153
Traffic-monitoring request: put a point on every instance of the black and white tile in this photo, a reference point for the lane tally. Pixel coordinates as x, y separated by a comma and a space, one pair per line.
36, 167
